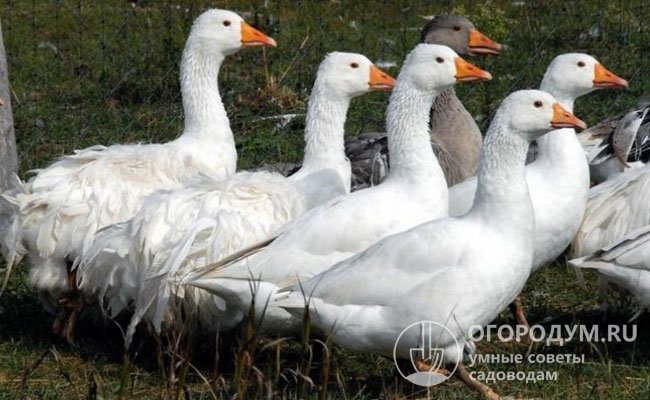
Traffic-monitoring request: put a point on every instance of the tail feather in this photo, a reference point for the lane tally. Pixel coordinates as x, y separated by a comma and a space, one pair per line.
224, 294
293, 302
587, 262
214, 268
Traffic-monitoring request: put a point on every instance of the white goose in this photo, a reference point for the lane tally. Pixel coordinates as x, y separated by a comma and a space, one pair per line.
414, 191
558, 179
210, 219
613, 236
438, 270
54, 216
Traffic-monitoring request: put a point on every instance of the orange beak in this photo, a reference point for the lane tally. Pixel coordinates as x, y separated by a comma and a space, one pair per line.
379, 80
466, 72
564, 119
604, 78
251, 37
479, 44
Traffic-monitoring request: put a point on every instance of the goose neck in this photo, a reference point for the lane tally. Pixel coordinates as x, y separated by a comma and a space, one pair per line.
205, 114
325, 127
409, 142
502, 187
560, 150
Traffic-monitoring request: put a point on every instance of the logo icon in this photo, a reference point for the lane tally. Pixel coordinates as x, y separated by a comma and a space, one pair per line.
417, 342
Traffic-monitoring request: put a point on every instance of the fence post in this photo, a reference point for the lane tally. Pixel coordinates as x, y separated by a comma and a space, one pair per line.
8, 156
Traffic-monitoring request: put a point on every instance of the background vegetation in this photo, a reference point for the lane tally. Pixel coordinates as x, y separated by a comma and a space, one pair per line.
86, 72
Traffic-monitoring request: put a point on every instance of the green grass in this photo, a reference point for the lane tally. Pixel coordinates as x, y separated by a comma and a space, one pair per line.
86, 72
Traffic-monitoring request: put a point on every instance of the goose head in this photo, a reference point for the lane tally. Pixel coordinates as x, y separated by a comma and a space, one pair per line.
459, 34
351, 74
532, 113
433, 67
225, 32
575, 74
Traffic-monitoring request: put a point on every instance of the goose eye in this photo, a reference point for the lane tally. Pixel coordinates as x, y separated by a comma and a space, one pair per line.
440, 60
226, 23
354, 65
537, 104
456, 28
581, 64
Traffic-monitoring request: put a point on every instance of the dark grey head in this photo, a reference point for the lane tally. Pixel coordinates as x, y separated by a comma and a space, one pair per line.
458, 33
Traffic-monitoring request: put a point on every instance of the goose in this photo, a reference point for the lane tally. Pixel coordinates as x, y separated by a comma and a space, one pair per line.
624, 143
455, 137
414, 191
438, 271
615, 209
209, 219
558, 179
53, 217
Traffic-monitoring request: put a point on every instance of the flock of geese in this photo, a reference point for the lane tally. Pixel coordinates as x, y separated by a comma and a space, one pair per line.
427, 221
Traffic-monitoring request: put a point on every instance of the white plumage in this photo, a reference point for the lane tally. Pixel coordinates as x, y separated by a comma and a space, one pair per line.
210, 219
415, 191
54, 216
558, 179
459, 272
170, 218
616, 208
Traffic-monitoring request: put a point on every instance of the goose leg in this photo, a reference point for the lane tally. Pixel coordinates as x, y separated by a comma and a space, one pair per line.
485, 390
69, 309
602, 294
74, 307
517, 309
424, 366
59, 319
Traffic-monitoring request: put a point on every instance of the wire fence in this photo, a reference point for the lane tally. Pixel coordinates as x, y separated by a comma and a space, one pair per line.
86, 72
